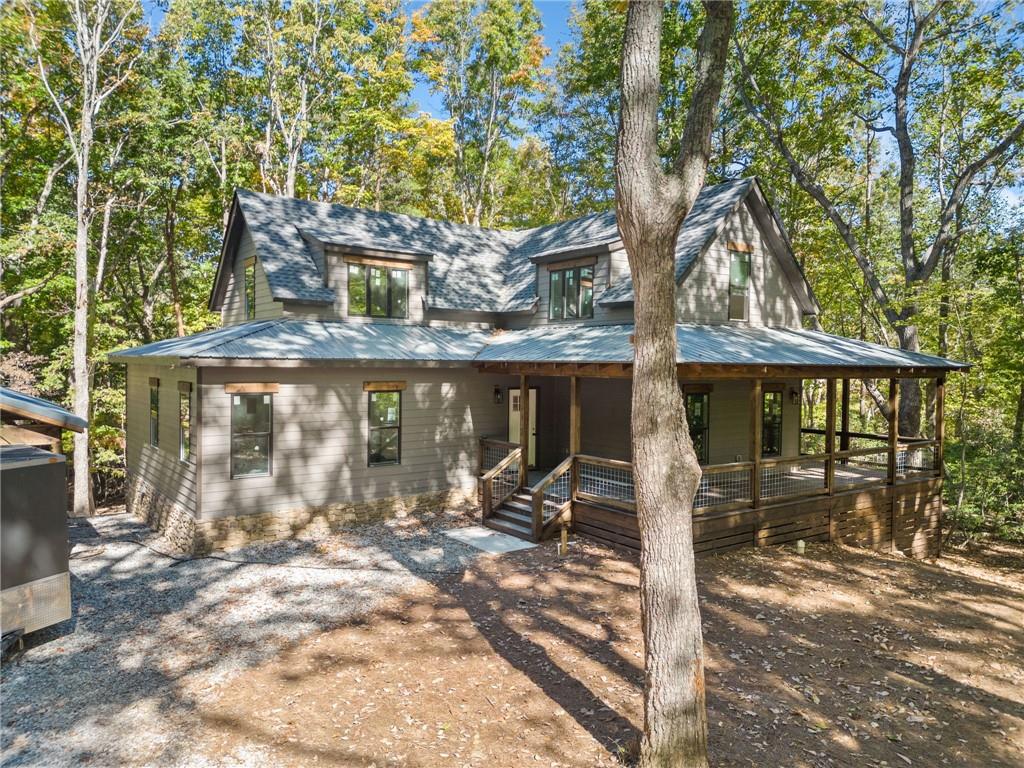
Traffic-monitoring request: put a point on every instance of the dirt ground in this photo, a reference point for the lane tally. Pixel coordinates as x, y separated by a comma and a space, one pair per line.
838, 657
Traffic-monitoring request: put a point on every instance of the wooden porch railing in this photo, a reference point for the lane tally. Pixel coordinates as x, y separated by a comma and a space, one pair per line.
499, 462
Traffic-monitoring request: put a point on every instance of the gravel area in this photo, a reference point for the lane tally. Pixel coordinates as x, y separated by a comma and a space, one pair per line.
153, 637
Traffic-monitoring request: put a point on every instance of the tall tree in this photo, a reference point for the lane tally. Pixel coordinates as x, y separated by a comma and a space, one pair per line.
95, 40
651, 203
887, 68
484, 57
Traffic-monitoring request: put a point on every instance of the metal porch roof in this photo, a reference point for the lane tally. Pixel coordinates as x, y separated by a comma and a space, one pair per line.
328, 340
29, 407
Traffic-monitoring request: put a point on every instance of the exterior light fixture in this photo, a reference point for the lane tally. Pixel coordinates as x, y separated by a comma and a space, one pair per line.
497, 396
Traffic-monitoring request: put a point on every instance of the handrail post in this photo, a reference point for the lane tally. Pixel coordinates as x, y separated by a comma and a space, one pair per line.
830, 435
755, 443
488, 491
524, 430
537, 509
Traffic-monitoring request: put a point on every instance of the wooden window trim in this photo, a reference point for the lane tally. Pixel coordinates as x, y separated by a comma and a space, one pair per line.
370, 429
251, 388
383, 386
557, 266
395, 263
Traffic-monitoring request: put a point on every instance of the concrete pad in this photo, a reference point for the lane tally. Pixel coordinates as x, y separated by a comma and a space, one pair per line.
492, 542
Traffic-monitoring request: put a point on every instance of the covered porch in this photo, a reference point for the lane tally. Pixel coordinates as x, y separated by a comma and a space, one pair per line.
768, 478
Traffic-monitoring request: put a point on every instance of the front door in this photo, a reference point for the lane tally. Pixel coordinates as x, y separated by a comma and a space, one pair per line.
513, 422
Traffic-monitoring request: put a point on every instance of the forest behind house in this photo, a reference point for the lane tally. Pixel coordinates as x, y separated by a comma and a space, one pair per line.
889, 137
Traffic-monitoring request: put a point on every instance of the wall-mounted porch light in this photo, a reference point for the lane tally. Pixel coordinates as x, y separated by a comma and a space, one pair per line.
497, 396
794, 396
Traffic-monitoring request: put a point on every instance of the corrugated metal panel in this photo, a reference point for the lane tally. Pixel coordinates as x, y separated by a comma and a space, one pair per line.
42, 410
568, 343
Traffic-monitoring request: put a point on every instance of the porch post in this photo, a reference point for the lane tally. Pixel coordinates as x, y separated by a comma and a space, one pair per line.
844, 427
756, 418
524, 430
574, 415
894, 427
940, 424
830, 435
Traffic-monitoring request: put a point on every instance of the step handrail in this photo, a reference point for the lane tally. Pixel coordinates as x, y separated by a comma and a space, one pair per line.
488, 481
537, 496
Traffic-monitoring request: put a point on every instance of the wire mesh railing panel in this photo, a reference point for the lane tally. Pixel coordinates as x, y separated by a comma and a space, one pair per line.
870, 468
793, 478
492, 454
723, 488
559, 491
609, 482
505, 483
915, 459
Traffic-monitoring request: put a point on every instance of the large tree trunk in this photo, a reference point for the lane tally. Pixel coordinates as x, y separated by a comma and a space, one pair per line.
82, 504
651, 206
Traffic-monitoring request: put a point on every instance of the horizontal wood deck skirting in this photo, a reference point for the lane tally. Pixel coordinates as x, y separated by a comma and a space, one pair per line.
906, 517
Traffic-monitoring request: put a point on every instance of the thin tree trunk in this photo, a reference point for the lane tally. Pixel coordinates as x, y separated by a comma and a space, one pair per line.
82, 504
170, 231
1018, 422
651, 206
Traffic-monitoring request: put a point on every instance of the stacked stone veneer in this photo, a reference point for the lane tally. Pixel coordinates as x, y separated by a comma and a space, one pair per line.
193, 536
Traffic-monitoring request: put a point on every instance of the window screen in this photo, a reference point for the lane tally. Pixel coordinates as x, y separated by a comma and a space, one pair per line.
771, 424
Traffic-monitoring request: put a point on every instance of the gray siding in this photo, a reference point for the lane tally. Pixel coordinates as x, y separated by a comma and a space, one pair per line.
320, 437
233, 309
703, 296
160, 465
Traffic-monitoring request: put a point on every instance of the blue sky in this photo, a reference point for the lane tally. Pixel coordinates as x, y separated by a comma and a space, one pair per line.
554, 18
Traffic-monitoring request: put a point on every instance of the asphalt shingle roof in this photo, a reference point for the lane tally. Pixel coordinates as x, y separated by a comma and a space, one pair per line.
470, 268
335, 340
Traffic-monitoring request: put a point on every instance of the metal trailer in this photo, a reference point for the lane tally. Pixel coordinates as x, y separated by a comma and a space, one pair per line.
35, 584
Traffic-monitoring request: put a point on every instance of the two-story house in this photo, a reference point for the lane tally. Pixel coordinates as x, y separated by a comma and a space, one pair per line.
370, 363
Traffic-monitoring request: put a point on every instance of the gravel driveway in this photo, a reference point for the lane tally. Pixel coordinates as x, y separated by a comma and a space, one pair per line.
152, 637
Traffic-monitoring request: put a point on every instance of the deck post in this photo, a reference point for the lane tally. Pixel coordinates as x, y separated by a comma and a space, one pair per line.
575, 427
940, 425
844, 426
756, 418
894, 427
830, 435
524, 430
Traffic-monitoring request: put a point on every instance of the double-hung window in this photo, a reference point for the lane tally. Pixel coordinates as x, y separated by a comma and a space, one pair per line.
377, 291
699, 422
385, 443
771, 423
739, 285
252, 433
250, 289
154, 412
571, 294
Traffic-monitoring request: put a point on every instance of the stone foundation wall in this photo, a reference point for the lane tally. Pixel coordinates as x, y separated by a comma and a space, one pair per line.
175, 522
202, 536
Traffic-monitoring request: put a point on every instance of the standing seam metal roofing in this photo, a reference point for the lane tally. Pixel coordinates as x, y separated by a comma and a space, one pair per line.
472, 268
41, 410
330, 340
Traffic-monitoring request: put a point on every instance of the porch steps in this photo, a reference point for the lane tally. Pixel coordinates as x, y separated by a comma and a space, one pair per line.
514, 517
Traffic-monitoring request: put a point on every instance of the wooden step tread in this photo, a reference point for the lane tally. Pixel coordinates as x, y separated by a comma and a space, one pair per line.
513, 529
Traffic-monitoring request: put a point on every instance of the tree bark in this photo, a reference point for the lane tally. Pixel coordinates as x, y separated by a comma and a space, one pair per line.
651, 206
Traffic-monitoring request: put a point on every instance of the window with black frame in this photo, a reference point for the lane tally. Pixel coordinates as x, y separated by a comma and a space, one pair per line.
699, 421
375, 291
771, 424
571, 294
385, 439
250, 289
252, 427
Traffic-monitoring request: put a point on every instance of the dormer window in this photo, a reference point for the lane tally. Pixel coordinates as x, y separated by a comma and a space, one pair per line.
572, 293
378, 291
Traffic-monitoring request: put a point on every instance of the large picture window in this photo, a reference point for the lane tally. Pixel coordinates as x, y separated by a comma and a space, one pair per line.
250, 289
698, 419
771, 424
739, 285
252, 426
378, 291
571, 294
154, 412
184, 424
385, 444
